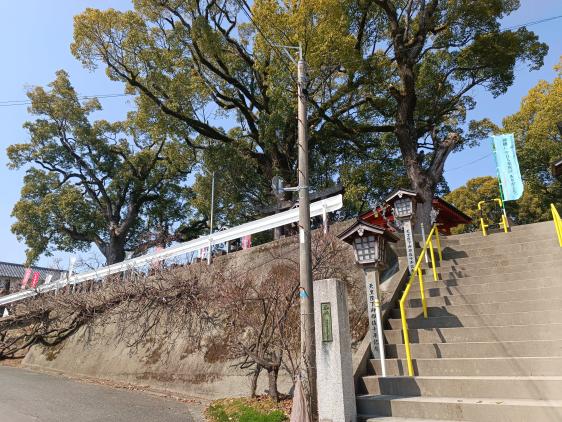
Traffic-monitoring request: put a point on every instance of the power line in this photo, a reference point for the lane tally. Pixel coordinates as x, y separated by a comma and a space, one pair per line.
248, 12
8, 103
362, 60
509, 28
469, 163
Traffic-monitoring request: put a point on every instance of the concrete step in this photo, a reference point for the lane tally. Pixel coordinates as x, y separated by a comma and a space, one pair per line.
506, 296
457, 286
461, 409
531, 274
535, 228
501, 258
534, 248
495, 290
510, 237
501, 242
512, 366
551, 269
500, 264
484, 308
482, 320
536, 388
491, 349
477, 334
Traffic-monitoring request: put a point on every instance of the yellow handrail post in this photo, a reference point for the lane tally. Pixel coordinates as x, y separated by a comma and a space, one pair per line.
482, 224
432, 259
405, 333
422, 292
438, 244
417, 271
557, 223
504, 218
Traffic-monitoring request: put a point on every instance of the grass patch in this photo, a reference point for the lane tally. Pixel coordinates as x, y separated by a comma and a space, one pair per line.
247, 410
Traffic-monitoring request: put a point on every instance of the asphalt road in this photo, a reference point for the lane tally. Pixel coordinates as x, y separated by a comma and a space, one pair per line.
27, 396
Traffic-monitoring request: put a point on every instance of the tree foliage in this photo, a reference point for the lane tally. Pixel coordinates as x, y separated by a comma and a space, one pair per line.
117, 185
467, 197
376, 68
539, 143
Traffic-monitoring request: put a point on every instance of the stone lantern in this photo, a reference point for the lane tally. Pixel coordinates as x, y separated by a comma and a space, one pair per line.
369, 245
404, 203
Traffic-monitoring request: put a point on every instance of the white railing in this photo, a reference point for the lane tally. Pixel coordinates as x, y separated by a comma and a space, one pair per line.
322, 207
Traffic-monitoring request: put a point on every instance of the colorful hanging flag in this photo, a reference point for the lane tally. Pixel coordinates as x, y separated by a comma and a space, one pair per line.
25, 278
247, 241
507, 164
34, 280
71, 262
157, 263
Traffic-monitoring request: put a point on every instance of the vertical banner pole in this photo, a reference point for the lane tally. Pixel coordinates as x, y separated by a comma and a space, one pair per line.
212, 215
499, 180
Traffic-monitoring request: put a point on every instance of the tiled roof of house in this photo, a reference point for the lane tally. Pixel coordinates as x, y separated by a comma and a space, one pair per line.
11, 270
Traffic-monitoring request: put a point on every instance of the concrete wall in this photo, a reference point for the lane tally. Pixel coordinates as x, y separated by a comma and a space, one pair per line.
98, 352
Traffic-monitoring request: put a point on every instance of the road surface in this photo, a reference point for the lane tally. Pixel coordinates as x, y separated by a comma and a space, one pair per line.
27, 396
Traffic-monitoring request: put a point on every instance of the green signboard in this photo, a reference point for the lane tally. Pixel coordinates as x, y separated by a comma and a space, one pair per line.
326, 313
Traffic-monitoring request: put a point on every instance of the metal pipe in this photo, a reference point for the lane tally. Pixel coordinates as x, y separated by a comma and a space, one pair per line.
435, 278
557, 223
438, 244
212, 215
422, 292
422, 227
333, 203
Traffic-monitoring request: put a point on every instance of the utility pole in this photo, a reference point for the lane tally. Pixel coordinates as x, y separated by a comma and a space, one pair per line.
212, 214
308, 349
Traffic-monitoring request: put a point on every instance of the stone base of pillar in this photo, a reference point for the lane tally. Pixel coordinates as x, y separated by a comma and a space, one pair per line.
334, 369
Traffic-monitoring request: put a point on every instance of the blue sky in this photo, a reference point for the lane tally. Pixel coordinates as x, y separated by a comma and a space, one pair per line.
34, 40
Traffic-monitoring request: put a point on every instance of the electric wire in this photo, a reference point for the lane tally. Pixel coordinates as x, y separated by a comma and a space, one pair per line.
9, 103
469, 163
248, 14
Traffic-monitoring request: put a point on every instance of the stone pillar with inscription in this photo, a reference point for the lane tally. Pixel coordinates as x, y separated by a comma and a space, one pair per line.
336, 393
372, 276
410, 248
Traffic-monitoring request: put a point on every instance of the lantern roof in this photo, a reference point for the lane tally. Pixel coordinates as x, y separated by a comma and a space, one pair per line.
400, 193
360, 228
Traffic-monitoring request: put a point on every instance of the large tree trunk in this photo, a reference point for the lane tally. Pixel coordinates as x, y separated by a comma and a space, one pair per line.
254, 381
115, 250
423, 212
272, 374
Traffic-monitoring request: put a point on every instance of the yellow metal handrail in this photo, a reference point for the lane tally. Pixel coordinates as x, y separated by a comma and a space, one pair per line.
483, 225
418, 271
557, 223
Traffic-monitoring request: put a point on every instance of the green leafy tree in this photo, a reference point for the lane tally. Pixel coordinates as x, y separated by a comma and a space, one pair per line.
436, 53
115, 185
539, 143
404, 68
467, 197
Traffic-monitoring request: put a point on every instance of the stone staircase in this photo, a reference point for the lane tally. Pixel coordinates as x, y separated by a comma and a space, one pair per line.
491, 349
